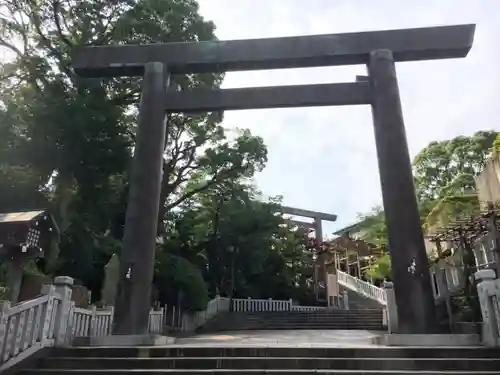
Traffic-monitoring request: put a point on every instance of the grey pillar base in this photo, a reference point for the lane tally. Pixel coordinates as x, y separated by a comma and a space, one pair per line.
428, 340
125, 340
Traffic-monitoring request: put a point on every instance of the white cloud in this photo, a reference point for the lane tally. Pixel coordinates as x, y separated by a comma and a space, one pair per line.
324, 158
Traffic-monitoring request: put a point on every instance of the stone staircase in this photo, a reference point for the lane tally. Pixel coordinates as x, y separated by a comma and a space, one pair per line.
365, 319
269, 360
360, 301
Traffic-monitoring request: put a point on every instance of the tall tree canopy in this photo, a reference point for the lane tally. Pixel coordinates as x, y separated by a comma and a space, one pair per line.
66, 143
444, 173
448, 167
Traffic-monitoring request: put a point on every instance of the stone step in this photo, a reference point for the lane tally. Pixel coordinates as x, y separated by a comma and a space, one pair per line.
326, 317
316, 322
312, 313
319, 326
330, 320
274, 363
250, 372
318, 313
300, 352
317, 319
271, 327
349, 325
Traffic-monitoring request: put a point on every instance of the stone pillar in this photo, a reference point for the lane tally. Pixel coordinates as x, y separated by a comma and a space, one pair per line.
63, 286
14, 279
111, 276
47, 316
391, 308
133, 299
4, 320
332, 289
318, 228
345, 300
490, 309
410, 271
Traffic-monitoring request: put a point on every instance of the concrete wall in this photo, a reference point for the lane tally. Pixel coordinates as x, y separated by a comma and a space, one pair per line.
488, 181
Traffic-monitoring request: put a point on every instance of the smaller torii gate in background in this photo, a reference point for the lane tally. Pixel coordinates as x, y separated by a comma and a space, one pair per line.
317, 217
317, 226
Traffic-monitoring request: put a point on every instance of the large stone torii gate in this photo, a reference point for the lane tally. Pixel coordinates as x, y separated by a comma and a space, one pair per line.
378, 50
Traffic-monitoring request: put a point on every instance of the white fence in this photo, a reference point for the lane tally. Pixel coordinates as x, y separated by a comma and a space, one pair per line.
261, 305
256, 305
362, 287
32, 325
156, 322
28, 326
53, 319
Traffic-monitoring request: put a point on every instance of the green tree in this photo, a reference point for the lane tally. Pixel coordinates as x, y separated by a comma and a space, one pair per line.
372, 227
239, 244
68, 140
448, 167
444, 174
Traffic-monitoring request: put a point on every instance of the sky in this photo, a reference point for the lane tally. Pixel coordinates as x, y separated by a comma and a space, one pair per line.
324, 159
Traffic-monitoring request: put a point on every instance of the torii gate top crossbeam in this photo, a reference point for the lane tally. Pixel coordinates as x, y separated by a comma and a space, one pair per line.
276, 53
307, 213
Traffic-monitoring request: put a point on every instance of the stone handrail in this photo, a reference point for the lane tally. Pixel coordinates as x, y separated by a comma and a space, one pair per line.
156, 321
218, 304
82, 319
28, 326
91, 322
362, 287
264, 305
52, 319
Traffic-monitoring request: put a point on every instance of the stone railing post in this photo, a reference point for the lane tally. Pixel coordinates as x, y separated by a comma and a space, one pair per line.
490, 310
345, 299
48, 318
391, 309
63, 286
4, 320
93, 322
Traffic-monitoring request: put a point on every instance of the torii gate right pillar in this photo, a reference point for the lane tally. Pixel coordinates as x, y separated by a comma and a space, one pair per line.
412, 286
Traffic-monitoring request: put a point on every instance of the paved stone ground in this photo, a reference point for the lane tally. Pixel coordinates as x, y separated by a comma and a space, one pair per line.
296, 338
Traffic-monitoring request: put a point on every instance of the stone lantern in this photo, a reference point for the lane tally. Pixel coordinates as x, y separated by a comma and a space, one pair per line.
24, 235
